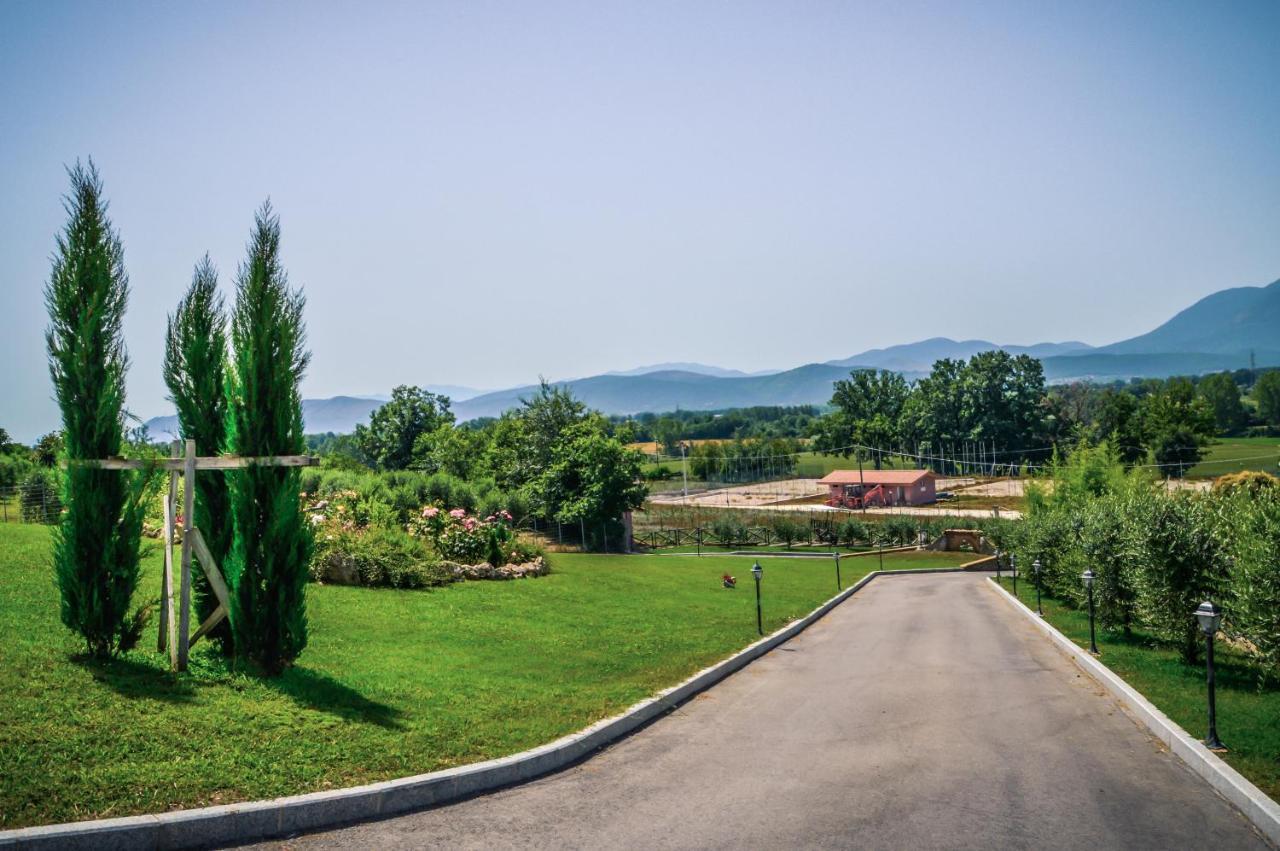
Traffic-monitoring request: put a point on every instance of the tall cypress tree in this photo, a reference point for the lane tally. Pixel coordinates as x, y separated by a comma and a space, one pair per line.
195, 368
272, 543
96, 546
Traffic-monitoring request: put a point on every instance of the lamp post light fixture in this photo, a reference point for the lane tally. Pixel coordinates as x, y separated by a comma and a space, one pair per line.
839, 585
997, 565
1088, 578
1210, 618
757, 571
1013, 567
1035, 570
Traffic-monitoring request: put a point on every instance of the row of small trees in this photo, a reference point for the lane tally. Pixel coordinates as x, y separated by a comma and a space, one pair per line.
235, 392
1157, 554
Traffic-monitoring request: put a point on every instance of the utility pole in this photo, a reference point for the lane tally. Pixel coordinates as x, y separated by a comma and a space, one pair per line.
684, 471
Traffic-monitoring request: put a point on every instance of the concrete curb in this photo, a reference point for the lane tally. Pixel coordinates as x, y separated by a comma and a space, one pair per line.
1263, 812
252, 821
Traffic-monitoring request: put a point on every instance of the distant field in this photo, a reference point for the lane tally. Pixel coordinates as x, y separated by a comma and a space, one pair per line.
1233, 454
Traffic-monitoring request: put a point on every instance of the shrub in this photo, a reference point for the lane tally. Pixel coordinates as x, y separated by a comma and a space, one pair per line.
900, 530
1252, 482
1254, 605
380, 557
728, 529
851, 531
1181, 564
788, 530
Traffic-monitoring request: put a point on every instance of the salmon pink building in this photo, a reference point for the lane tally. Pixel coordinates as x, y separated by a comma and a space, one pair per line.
856, 488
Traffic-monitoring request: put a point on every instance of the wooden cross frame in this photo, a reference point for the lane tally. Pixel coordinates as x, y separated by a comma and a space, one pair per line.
175, 626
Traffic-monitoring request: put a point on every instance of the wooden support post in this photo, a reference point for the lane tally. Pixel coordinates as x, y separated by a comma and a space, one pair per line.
184, 595
167, 639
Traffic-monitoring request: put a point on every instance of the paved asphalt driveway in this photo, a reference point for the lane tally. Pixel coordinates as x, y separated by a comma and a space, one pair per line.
922, 713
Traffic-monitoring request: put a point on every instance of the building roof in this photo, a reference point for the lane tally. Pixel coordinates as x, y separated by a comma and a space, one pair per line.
876, 477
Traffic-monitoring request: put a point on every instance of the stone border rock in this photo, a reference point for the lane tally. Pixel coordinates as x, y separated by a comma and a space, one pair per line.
1259, 809
253, 821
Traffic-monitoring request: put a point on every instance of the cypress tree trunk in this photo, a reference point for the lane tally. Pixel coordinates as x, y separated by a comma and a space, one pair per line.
195, 367
272, 542
95, 551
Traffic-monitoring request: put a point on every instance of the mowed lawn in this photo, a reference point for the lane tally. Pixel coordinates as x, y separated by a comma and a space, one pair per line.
1248, 713
392, 683
1233, 454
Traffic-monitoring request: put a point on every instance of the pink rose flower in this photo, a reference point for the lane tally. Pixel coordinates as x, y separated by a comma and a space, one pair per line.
430, 511
458, 513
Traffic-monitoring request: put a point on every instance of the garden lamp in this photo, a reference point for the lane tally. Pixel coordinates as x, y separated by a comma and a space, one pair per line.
1013, 567
997, 565
757, 571
1088, 578
1210, 618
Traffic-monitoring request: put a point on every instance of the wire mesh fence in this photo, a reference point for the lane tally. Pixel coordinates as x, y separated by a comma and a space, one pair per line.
30, 502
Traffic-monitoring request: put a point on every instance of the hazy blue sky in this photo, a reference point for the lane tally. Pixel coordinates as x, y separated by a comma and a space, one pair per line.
476, 193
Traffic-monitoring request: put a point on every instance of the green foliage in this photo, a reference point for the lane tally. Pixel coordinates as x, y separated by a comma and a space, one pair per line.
788, 530
852, 531
1223, 397
1252, 525
869, 406
592, 480
267, 569
1266, 393
728, 529
49, 447
1177, 426
380, 557
391, 439
1119, 424
749, 460
195, 371
95, 552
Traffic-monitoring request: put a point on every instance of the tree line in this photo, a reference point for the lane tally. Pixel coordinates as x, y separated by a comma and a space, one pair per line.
568, 463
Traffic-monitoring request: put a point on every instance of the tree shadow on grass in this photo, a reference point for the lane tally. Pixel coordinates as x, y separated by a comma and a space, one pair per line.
323, 693
131, 679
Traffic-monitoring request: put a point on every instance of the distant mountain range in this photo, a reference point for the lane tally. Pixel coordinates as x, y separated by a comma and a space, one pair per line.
1221, 331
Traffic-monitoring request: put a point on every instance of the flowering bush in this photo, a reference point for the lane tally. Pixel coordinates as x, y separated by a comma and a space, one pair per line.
459, 536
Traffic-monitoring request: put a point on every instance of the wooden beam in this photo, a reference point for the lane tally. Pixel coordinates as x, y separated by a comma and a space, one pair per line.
205, 557
167, 639
207, 462
209, 623
184, 595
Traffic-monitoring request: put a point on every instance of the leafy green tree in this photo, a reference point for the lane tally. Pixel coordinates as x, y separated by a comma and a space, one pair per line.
1266, 393
1119, 423
96, 546
388, 442
1002, 399
48, 448
592, 480
1223, 397
448, 449
195, 371
272, 545
1177, 426
869, 406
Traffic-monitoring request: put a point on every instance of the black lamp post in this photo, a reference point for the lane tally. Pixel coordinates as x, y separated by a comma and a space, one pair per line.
1210, 617
997, 565
1035, 570
1013, 566
757, 571
880, 547
839, 585
1088, 577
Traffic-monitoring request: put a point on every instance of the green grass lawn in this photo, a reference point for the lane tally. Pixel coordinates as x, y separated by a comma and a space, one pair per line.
1248, 716
393, 682
1233, 454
